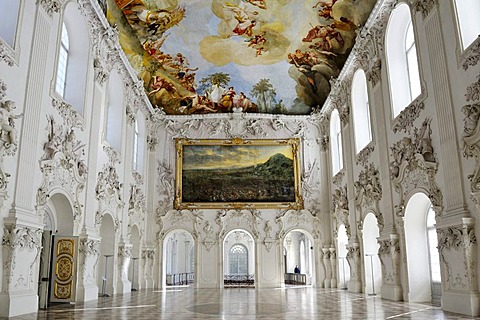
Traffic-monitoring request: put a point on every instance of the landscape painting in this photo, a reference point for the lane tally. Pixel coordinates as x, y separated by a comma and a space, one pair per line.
222, 174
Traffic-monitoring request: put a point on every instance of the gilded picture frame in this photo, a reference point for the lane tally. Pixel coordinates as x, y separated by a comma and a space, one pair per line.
237, 174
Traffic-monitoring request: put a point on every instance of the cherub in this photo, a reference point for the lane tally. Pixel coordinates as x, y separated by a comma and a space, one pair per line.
7, 124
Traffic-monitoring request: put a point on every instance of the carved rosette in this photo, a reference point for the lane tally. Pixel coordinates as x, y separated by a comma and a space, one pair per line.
21, 247
89, 251
457, 248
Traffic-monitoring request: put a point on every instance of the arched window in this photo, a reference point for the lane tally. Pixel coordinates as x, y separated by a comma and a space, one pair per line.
238, 257
467, 20
402, 62
139, 142
60, 84
135, 146
361, 111
115, 111
8, 21
72, 59
432, 247
336, 142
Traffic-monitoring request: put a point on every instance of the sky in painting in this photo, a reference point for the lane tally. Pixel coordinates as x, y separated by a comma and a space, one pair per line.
245, 72
230, 157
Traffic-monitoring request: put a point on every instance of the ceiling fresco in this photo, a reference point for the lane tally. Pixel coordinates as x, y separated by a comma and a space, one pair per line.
215, 56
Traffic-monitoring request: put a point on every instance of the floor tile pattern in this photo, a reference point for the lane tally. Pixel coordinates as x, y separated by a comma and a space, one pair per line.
243, 303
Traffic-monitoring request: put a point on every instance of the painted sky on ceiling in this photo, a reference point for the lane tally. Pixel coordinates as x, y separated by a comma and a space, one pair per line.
212, 56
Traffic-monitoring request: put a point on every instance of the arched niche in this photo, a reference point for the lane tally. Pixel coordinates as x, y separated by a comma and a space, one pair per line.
106, 258
372, 265
417, 251
343, 266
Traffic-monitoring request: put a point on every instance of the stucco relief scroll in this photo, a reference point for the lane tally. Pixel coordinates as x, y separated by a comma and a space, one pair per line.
108, 190
62, 164
457, 248
414, 167
471, 132
340, 209
20, 243
89, 251
368, 192
6, 54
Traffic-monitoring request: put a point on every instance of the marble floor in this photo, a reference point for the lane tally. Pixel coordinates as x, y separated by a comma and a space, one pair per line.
292, 303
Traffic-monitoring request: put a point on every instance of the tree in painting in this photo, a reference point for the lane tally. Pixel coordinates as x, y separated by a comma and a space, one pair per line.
219, 79
265, 94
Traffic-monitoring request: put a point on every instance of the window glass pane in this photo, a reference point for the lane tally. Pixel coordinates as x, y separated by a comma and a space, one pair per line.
8, 20
468, 21
238, 260
413, 73
135, 147
62, 64
409, 37
432, 247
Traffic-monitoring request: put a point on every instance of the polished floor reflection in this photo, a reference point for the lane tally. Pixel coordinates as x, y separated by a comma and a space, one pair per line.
243, 303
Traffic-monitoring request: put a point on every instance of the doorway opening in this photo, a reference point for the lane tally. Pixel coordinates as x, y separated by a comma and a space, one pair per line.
179, 259
298, 258
238, 259
423, 263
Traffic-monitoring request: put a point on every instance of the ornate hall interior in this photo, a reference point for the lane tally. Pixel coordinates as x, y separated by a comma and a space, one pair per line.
241, 159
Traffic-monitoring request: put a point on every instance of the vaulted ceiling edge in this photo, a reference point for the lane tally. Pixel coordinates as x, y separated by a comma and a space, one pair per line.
217, 56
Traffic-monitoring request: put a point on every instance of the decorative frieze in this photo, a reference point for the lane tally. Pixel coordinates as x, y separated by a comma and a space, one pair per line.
405, 120
471, 131
51, 6
472, 56
6, 54
71, 118
424, 6
362, 157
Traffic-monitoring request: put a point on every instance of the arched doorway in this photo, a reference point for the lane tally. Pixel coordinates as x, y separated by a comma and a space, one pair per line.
106, 258
299, 265
423, 265
134, 274
58, 221
372, 266
177, 260
238, 259
343, 266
